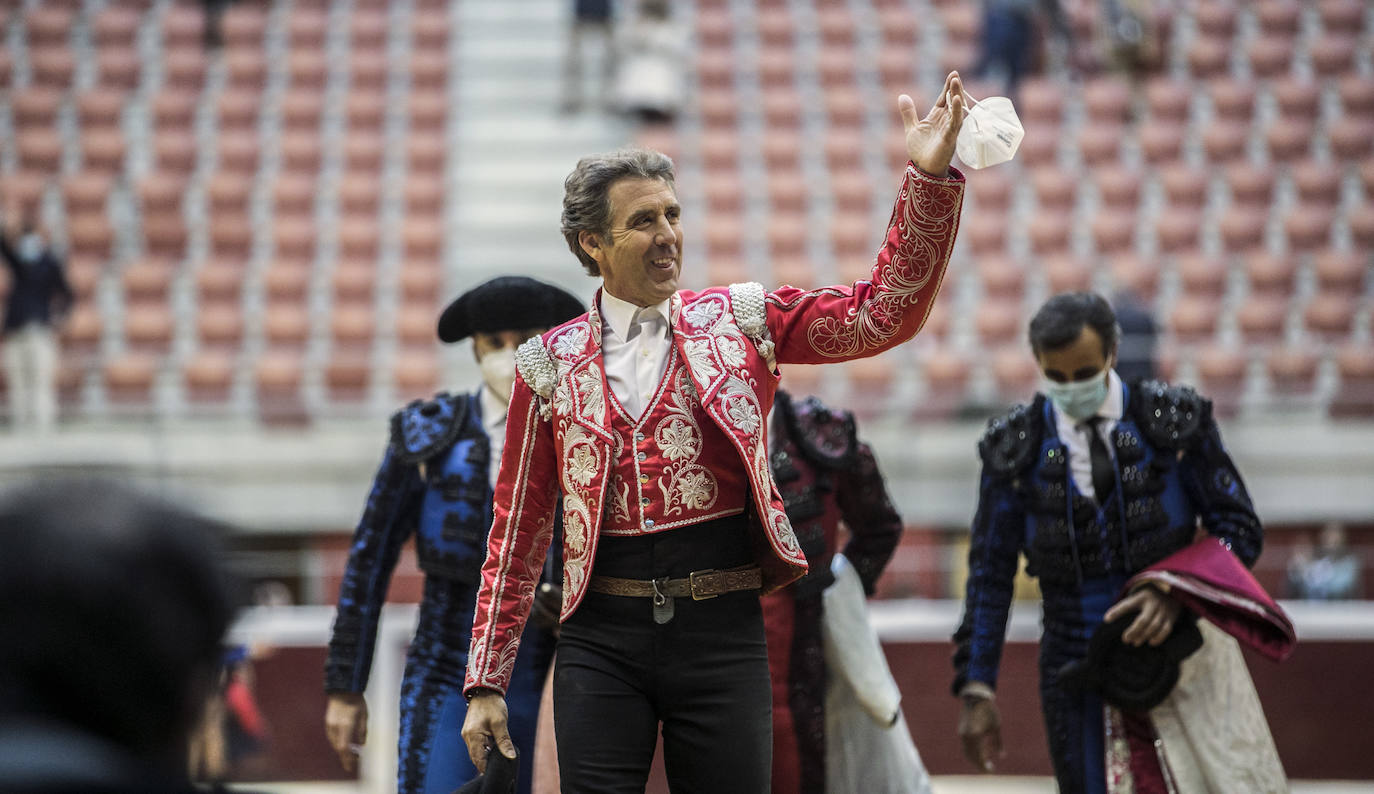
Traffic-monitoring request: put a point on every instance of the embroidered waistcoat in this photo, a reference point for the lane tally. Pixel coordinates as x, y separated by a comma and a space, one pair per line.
661, 484
562, 445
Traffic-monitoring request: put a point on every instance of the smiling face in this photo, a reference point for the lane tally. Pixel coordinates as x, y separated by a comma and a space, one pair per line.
1081, 359
640, 255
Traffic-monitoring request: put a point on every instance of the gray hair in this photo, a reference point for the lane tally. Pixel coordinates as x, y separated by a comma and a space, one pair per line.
586, 193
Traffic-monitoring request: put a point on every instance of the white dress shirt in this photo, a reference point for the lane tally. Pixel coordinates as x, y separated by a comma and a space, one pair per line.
494, 412
635, 343
1075, 435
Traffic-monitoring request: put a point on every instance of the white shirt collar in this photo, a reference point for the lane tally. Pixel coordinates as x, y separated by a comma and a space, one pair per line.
493, 410
1114, 405
619, 314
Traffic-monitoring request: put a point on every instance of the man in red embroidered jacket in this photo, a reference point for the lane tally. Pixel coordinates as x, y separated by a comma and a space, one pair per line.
645, 420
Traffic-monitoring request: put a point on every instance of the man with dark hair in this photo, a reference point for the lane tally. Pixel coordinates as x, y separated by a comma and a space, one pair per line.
644, 419
1097, 481
435, 483
113, 606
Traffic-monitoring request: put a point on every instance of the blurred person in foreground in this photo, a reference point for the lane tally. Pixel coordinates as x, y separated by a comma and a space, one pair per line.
1136, 522
1331, 572
435, 483
39, 299
113, 605
644, 418
827, 736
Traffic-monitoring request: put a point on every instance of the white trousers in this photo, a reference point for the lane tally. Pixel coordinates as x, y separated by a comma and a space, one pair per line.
31, 374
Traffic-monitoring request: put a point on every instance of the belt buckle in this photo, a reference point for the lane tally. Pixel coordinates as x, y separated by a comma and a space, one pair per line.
692, 579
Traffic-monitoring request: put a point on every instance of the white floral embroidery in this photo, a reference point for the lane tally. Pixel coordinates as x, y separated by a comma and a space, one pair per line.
731, 352
571, 343
562, 398
590, 392
703, 313
743, 415
620, 498
678, 440
581, 466
697, 489
699, 358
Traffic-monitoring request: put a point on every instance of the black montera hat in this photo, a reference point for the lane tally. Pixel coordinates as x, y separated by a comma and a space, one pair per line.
500, 778
1132, 677
507, 303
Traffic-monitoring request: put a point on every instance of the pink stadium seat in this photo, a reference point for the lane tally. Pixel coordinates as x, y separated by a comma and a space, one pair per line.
957, 55
787, 192
836, 68
35, 109
1040, 147
1201, 275
227, 192
1177, 230
1041, 102
238, 109
1270, 56
844, 150
174, 110
1333, 54
1118, 187
1242, 229
992, 192
39, 150
366, 110
1232, 100
278, 376
369, 70
720, 108
1161, 141
1067, 273
852, 237
183, 27
774, 26
999, 321
1261, 319
1342, 15
147, 281
184, 69
308, 69
1107, 99
1278, 16
1355, 397
1015, 373
148, 326
1330, 315
208, 377
306, 28
358, 239
231, 236
1350, 139
415, 375
845, 108
115, 27
243, 27
300, 153
1340, 271
129, 378
1216, 20
984, 234
100, 109
1049, 232
1292, 370
1308, 228
1270, 275
52, 68
294, 195
175, 151
86, 192
776, 67
425, 154
851, 191
1297, 98
1250, 186
160, 193
82, 332
715, 68
1290, 139
781, 152
286, 281
429, 33
428, 111
1209, 56
1003, 277
351, 326
245, 69
363, 152
1318, 183
368, 29
164, 235
347, 376
1140, 276
1224, 141
1055, 189
219, 282
301, 110
946, 376
1100, 143
219, 326
295, 238
84, 276
898, 24
1194, 318
89, 236
836, 26
286, 324
49, 25
1221, 374
1357, 95
1113, 230
415, 325
896, 68
715, 27
870, 383
25, 189
787, 235
1168, 99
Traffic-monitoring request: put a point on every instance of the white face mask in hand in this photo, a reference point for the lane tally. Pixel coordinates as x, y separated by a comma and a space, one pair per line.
991, 133
498, 372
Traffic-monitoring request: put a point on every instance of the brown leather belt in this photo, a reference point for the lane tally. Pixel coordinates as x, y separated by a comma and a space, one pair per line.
699, 585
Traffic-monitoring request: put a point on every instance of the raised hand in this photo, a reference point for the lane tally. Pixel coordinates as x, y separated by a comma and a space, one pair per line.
930, 140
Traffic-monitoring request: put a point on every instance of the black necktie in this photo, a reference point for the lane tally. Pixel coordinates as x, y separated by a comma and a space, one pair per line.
1104, 475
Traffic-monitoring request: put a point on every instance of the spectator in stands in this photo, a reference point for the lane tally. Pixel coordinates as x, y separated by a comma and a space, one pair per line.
1136, 352
39, 300
1005, 42
590, 18
826, 477
113, 606
672, 520
435, 483
652, 48
1096, 481
1332, 573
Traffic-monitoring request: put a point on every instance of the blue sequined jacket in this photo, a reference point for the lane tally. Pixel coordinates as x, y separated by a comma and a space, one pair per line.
445, 504
1172, 475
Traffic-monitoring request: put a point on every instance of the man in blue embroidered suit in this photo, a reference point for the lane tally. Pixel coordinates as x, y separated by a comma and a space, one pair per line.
436, 483
1093, 481
645, 420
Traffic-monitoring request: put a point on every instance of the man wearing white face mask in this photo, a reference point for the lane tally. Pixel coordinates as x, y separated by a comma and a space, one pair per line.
1097, 481
39, 298
436, 482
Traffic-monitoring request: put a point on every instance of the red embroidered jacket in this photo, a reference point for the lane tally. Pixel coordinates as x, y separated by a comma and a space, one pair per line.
560, 443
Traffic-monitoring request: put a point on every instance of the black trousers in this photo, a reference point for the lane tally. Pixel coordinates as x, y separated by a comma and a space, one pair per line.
702, 676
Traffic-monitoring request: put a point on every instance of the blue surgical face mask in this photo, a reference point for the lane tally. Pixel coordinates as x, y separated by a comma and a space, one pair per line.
1081, 399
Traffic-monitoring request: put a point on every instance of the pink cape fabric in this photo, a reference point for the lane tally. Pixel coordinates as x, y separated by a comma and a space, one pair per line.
1209, 580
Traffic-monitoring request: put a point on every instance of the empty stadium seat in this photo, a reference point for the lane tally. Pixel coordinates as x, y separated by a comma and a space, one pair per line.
1292, 370
1113, 231
1355, 397
1341, 271
1330, 315
1232, 100
129, 379
1261, 319
148, 326
1194, 318
1250, 186
1242, 229
219, 326
208, 376
1269, 274
1177, 230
